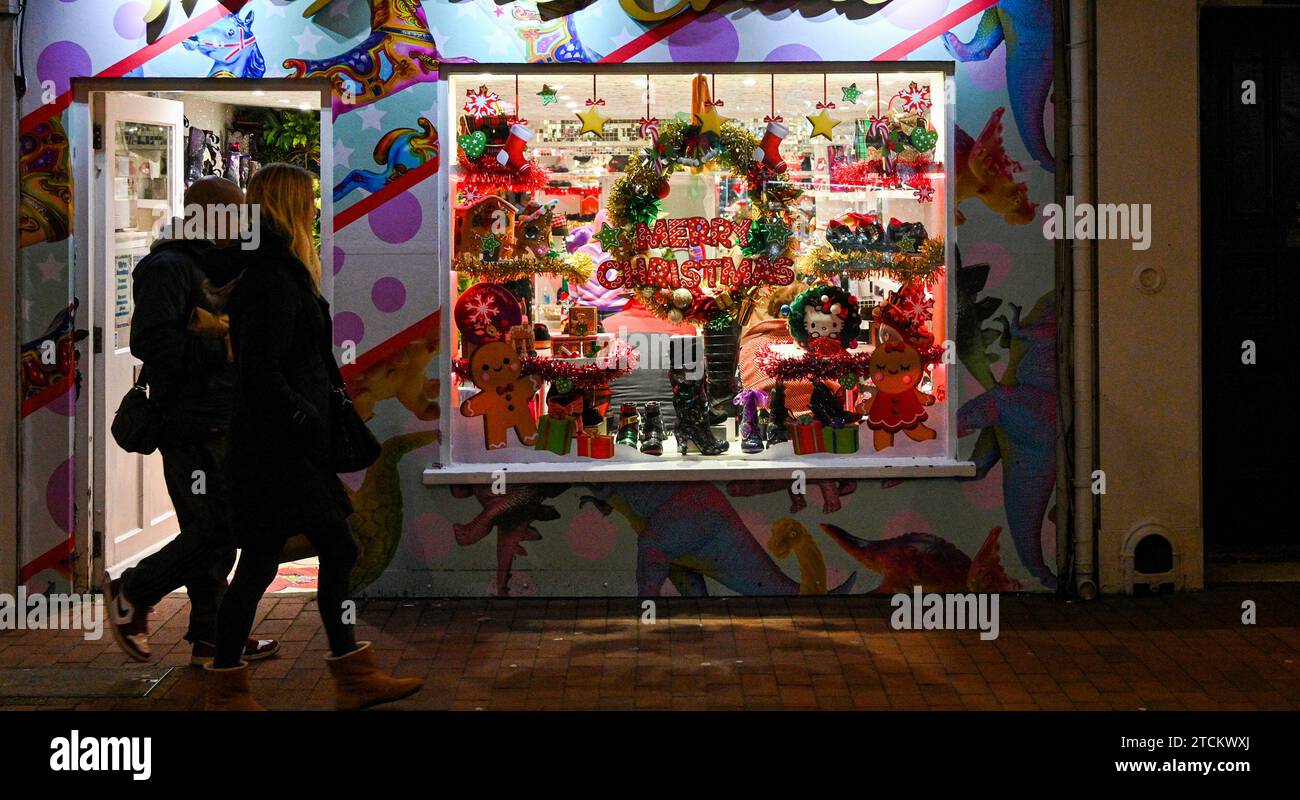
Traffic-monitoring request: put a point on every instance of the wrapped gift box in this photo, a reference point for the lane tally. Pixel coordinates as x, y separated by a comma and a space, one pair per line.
806, 436
594, 445
554, 434
843, 439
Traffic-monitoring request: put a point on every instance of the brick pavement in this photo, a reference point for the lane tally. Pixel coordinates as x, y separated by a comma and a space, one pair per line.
1167, 652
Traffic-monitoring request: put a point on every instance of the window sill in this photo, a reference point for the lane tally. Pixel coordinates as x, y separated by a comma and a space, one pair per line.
699, 469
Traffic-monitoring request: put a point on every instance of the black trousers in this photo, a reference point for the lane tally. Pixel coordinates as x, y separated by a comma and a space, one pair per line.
259, 562
203, 553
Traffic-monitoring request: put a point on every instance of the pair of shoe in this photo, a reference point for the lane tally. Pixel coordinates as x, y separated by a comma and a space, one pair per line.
358, 683
129, 623
645, 430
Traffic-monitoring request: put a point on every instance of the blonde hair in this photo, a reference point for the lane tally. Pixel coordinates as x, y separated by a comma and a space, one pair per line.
286, 194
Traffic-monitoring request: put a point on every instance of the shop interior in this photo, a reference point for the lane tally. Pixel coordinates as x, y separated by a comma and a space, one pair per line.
693, 266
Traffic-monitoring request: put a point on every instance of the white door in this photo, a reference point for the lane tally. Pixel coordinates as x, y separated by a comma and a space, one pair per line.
138, 187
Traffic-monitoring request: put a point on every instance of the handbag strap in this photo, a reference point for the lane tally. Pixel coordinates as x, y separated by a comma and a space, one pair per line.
141, 381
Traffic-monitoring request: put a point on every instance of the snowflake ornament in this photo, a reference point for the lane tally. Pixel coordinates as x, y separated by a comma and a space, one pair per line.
482, 309
915, 99
482, 102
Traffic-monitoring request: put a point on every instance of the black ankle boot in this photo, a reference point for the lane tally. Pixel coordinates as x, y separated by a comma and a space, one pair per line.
776, 430
628, 425
652, 431
824, 406
692, 407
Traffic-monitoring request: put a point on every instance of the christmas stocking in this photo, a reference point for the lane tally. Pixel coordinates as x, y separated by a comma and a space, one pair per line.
512, 152
768, 150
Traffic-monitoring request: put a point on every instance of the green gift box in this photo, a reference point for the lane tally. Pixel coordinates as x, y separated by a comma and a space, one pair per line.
555, 434
840, 440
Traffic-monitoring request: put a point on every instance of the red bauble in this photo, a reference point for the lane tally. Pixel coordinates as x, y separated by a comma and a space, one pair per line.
661, 190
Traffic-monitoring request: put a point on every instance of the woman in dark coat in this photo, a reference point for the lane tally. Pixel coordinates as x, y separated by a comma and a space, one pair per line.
279, 446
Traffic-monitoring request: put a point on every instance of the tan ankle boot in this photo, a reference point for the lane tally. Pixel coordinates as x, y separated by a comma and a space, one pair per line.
228, 690
359, 683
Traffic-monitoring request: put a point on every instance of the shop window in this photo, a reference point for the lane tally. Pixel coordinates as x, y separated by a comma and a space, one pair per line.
653, 274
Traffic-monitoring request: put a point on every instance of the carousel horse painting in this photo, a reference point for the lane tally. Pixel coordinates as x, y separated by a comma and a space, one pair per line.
399, 52
231, 45
398, 151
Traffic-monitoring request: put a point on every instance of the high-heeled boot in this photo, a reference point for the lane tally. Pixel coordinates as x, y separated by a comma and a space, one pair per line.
721, 354
652, 431
751, 437
629, 425
825, 407
692, 407
776, 429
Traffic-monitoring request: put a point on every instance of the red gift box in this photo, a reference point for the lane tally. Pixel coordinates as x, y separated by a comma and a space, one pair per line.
807, 437
595, 445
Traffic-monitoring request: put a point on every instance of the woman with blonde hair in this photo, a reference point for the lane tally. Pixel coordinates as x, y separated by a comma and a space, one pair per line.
278, 469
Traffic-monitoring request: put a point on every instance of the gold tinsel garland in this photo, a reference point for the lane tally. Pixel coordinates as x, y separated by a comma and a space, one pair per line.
925, 265
733, 147
576, 267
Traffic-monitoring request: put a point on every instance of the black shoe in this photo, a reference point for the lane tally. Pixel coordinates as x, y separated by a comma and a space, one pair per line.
202, 653
652, 431
776, 428
128, 622
691, 405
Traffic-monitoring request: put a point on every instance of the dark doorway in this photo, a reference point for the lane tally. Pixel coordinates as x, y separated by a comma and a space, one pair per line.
1250, 215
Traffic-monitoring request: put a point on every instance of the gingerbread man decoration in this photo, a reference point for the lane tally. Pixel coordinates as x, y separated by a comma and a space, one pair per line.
504, 395
897, 366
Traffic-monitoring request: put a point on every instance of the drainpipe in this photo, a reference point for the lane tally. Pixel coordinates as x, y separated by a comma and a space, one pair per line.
1084, 280
10, 490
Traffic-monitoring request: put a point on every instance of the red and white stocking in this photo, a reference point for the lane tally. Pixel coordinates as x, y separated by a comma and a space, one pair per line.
769, 149
512, 152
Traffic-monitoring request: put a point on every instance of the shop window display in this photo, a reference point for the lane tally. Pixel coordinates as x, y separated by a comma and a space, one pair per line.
660, 272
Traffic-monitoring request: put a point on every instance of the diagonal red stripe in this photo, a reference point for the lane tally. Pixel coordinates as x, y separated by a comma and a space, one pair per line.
653, 36
139, 57
370, 202
929, 32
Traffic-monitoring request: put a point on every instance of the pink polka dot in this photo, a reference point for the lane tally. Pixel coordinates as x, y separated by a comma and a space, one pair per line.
591, 536
906, 522
913, 14
428, 537
990, 74
339, 258
60, 62
388, 294
397, 220
129, 21
986, 493
991, 253
59, 493
793, 52
65, 404
712, 37
348, 327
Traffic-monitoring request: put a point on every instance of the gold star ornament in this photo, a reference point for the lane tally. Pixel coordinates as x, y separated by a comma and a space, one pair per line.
711, 121
592, 121
823, 124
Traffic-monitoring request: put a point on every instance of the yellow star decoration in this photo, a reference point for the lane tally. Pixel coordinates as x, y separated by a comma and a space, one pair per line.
592, 121
711, 121
823, 123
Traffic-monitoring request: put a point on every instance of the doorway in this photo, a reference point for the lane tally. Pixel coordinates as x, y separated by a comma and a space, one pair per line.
1250, 168
137, 145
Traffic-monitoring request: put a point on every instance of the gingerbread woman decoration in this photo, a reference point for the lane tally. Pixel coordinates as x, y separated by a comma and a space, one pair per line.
904, 350
504, 395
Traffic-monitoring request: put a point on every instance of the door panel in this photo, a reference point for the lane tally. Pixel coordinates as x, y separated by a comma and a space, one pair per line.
139, 187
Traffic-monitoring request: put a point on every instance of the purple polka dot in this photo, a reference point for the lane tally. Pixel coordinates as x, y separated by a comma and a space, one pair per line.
990, 74
793, 52
712, 37
398, 220
65, 404
914, 14
129, 21
339, 258
60, 62
388, 294
348, 327
58, 494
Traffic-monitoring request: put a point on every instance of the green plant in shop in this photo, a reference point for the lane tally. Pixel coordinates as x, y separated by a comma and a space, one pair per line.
292, 137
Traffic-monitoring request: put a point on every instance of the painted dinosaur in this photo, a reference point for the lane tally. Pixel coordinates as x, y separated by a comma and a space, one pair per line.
788, 536
45, 180
398, 151
512, 514
398, 368
1015, 416
928, 561
831, 491
687, 532
1026, 28
377, 508
399, 52
987, 173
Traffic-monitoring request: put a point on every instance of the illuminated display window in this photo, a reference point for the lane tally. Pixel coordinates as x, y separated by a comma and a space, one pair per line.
664, 272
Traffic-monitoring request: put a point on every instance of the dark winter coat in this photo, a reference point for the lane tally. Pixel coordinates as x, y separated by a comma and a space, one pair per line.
280, 484
188, 375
